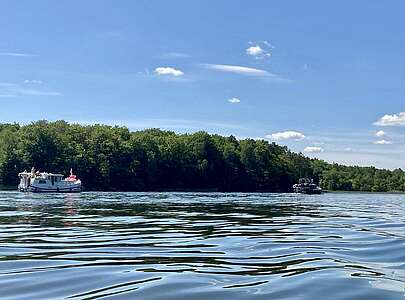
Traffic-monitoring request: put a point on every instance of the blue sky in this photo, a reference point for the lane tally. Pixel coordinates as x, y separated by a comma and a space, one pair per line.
321, 77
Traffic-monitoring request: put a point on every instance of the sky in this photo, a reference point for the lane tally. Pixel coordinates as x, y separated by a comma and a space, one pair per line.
323, 78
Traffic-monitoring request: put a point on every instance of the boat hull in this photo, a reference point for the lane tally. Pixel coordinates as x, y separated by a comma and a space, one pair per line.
309, 192
41, 190
70, 189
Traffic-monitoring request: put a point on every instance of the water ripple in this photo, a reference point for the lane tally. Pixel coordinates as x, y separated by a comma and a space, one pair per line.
201, 245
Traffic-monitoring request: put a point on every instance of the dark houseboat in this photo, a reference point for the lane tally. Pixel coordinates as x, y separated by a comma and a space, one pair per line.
306, 186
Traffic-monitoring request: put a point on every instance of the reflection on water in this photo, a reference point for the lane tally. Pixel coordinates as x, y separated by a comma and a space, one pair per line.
196, 246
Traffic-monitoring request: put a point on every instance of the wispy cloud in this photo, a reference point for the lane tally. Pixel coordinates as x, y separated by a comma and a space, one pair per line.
111, 34
168, 71
246, 71
9, 90
7, 96
391, 120
239, 70
7, 84
175, 55
33, 81
268, 44
169, 124
145, 73
318, 143
193, 124
382, 142
313, 149
234, 100
34, 92
286, 135
16, 54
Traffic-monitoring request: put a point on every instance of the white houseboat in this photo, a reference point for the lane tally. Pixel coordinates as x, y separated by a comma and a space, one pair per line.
48, 182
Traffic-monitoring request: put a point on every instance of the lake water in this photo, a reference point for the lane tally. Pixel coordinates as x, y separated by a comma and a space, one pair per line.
202, 246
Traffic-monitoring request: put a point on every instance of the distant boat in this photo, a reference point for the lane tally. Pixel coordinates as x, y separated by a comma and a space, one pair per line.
48, 182
306, 186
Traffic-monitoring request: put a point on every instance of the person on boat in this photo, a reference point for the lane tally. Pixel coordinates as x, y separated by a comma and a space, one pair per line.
72, 177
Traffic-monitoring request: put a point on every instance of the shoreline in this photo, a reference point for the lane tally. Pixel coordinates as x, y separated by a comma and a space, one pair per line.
213, 191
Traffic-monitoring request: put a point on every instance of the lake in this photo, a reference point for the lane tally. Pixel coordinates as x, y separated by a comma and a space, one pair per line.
202, 246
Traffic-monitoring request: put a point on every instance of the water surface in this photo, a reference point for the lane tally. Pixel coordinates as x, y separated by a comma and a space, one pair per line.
202, 246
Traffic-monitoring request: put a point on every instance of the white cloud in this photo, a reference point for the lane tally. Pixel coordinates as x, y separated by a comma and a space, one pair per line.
7, 96
259, 50
392, 120
286, 135
348, 149
234, 100
380, 133
382, 142
254, 50
168, 71
16, 54
239, 70
313, 149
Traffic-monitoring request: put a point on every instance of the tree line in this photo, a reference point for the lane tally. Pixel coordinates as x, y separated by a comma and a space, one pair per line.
114, 158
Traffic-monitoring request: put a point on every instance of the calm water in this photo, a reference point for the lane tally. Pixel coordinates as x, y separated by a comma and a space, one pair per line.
202, 246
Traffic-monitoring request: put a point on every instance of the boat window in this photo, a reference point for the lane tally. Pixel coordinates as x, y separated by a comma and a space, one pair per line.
42, 181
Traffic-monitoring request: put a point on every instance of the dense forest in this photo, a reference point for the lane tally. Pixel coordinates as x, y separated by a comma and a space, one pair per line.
114, 158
